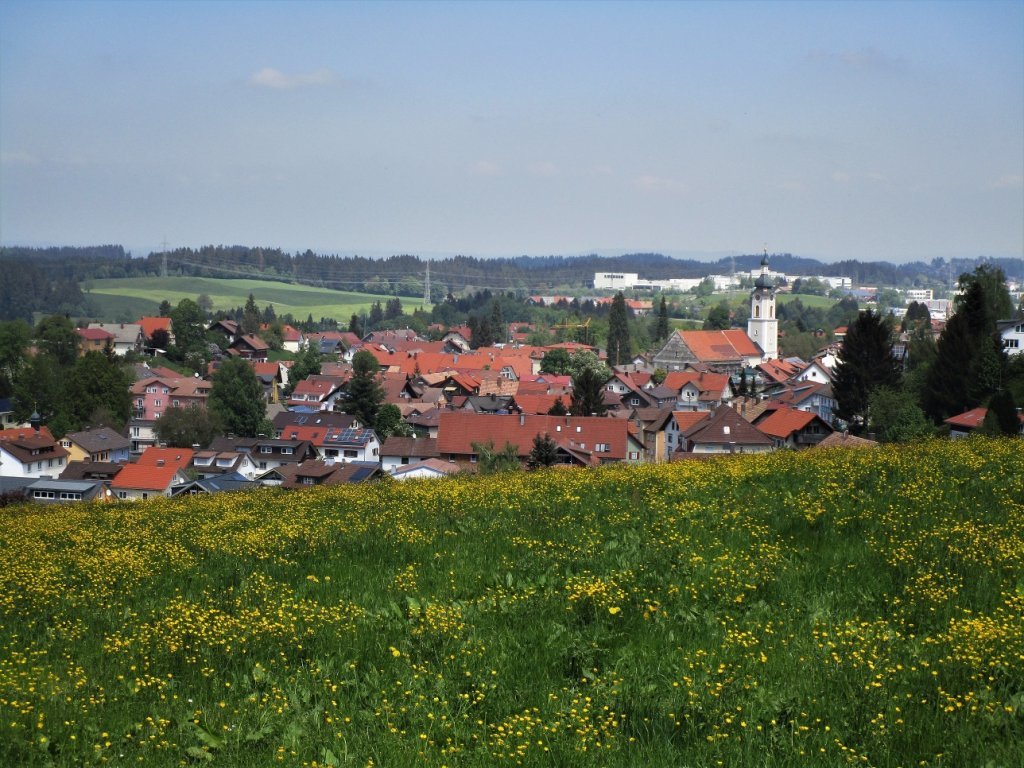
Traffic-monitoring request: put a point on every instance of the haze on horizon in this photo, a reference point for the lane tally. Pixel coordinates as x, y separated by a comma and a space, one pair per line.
829, 130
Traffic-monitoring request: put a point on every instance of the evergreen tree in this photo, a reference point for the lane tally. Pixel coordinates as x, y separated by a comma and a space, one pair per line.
558, 408
499, 332
1002, 417
544, 452
15, 336
619, 351
365, 394
164, 310
588, 393
376, 316
237, 398
250, 316
865, 363
661, 330
355, 326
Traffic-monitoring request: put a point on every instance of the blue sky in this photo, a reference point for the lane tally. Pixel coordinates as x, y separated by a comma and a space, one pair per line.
868, 130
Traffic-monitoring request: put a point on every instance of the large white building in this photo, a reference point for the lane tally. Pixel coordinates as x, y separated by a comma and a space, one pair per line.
615, 281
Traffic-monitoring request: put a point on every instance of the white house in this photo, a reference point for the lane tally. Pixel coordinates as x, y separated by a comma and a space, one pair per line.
26, 453
1012, 334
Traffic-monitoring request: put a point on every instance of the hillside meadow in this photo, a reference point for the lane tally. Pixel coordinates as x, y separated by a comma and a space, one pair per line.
828, 608
136, 296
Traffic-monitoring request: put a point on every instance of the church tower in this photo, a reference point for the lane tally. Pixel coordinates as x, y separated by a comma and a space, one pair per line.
762, 327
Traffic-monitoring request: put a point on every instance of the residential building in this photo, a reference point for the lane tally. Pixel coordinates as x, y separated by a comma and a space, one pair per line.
93, 340
317, 472
397, 451
58, 491
138, 482
1011, 333
428, 469
790, 428
101, 445
30, 453
723, 431
127, 337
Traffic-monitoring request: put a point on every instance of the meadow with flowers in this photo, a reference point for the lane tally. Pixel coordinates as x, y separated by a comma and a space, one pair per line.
834, 607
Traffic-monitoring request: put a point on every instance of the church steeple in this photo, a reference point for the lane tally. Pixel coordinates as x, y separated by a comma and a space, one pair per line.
762, 327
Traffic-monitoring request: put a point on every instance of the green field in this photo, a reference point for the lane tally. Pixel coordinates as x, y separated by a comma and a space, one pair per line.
123, 298
829, 608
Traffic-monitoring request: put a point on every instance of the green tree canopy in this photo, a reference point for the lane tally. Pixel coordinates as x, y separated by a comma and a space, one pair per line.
588, 393
308, 363
185, 427
189, 325
97, 383
237, 398
544, 452
619, 347
719, 317
556, 362
661, 328
865, 363
365, 394
896, 417
55, 335
491, 461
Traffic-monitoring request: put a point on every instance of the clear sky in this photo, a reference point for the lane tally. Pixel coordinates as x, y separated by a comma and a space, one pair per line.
868, 130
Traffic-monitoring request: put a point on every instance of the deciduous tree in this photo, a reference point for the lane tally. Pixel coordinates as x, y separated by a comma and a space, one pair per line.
237, 398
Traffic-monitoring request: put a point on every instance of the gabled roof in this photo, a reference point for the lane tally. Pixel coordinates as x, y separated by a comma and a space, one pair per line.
95, 440
177, 458
726, 427
971, 419
796, 394
845, 440
539, 403
323, 473
409, 446
252, 341
90, 470
437, 466
713, 346
687, 420
151, 324
783, 422
94, 334
221, 484
124, 333
321, 419
144, 477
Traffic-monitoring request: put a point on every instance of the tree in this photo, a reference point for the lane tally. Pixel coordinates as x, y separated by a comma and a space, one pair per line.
189, 324
491, 462
544, 452
39, 387
558, 408
499, 332
619, 351
308, 363
917, 315
1002, 417
896, 418
185, 427
995, 298
390, 422
164, 310
556, 362
376, 316
661, 329
365, 394
15, 336
584, 359
251, 316
865, 363
355, 326
160, 339
588, 393
96, 383
237, 398
719, 317
393, 309
204, 302
55, 335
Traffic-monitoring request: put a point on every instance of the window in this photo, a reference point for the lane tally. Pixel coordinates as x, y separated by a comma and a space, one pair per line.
757, 310
42, 494
150, 390
350, 454
70, 496
176, 403
122, 494
157, 403
266, 449
135, 431
145, 496
1011, 343
405, 459
263, 465
287, 451
308, 481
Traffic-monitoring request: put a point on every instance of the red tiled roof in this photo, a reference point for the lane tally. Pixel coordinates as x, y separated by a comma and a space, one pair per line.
720, 345
151, 324
144, 477
94, 334
176, 458
687, 420
783, 422
969, 419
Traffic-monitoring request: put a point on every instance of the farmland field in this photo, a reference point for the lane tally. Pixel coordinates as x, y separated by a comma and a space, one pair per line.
828, 608
142, 295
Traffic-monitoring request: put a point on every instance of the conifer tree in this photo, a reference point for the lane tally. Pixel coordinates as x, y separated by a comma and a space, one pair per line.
365, 395
866, 363
619, 351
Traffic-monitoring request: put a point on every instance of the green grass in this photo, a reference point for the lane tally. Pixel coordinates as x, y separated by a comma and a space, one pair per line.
829, 608
138, 295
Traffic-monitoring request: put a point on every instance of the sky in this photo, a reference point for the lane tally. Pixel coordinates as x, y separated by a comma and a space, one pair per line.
851, 130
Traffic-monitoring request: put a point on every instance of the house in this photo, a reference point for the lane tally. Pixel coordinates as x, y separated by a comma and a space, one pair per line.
487, 403
101, 445
680, 423
93, 340
699, 390
212, 464
30, 453
318, 392
7, 420
790, 428
127, 337
153, 395
142, 433
179, 458
226, 483
138, 482
722, 432
815, 371
325, 419
582, 440
964, 424
51, 491
250, 347
271, 377
428, 469
651, 424
1011, 334
266, 453
151, 325
397, 451
347, 445
808, 396
318, 472
91, 470
725, 351
292, 339
425, 423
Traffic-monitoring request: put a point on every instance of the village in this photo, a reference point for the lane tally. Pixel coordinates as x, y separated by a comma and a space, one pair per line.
698, 394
